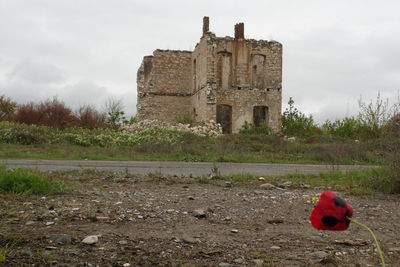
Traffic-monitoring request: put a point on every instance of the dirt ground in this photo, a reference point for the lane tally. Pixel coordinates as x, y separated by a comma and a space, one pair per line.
189, 223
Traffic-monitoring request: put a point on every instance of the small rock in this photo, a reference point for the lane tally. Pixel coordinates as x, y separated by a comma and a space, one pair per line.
102, 218
235, 231
49, 223
394, 249
90, 240
29, 223
228, 184
199, 213
123, 242
27, 252
319, 254
261, 178
188, 239
227, 218
259, 262
267, 186
224, 264
275, 247
63, 240
126, 265
258, 192
285, 184
238, 260
191, 197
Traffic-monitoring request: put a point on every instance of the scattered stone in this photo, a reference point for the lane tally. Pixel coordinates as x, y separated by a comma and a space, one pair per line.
224, 264
27, 252
227, 218
258, 192
102, 218
261, 178
235, 231
63, 240
285, 184
259, 262
275, 247
191, 197
90, 240
238, 260
199, 213
228, 184
319, 254
188, 239
49, 223
267, 186
29, 223
126, 265
210, 128
123, 242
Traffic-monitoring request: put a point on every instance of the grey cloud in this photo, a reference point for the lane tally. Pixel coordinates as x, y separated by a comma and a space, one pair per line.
31, 71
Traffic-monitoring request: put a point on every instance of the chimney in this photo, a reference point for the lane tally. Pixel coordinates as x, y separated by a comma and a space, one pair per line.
239, 31
206, 25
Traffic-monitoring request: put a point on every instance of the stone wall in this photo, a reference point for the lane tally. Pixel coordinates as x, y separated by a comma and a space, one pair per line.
164, 85
236, 72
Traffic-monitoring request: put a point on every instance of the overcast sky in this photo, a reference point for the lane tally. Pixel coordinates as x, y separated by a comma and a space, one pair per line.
86, 51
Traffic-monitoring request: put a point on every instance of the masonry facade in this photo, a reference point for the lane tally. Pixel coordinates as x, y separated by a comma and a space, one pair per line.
229, 80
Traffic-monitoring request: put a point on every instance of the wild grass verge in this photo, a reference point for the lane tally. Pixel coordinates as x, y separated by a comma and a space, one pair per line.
358, 182
27, 182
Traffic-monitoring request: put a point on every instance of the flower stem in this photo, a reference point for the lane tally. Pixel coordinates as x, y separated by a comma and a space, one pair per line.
373, 235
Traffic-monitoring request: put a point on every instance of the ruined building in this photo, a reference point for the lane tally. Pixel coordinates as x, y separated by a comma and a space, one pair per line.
228, 80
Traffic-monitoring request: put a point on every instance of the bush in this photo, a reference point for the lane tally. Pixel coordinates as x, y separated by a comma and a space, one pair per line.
347, 127
250, 129
89, 117
296, 123
51, 113
7, 108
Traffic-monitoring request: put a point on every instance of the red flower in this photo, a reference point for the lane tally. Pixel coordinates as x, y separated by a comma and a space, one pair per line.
331, 213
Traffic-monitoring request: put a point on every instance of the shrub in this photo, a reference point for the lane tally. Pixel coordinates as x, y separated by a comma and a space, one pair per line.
89, 117
347, 127
7, 108
51, 113
115, 113
296, 123
250, 129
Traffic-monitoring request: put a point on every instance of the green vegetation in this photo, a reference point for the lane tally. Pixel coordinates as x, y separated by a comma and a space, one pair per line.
372, 137
358, 182
26, 182
41, 142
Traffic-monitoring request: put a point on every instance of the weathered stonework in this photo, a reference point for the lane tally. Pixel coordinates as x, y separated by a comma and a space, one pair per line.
228, 80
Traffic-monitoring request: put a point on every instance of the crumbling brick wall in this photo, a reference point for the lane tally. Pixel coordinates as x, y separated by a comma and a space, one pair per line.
242, 75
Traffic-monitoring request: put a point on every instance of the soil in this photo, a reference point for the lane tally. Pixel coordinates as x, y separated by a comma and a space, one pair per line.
162, 222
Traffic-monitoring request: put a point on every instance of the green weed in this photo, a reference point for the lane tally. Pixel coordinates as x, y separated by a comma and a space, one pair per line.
26, 182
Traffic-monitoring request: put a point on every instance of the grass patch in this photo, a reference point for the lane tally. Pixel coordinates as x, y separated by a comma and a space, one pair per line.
27, 182
358, 182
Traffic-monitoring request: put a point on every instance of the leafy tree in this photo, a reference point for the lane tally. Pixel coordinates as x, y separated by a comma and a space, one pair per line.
7, 108
115, 113
296, 123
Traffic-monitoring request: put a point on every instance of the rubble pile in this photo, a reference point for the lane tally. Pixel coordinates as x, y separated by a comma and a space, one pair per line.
210, 128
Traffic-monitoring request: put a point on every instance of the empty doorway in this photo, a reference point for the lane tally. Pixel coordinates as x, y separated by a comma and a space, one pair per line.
260, 116
224, 117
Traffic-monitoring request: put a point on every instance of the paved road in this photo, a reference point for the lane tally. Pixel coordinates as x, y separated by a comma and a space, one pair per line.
177, 168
